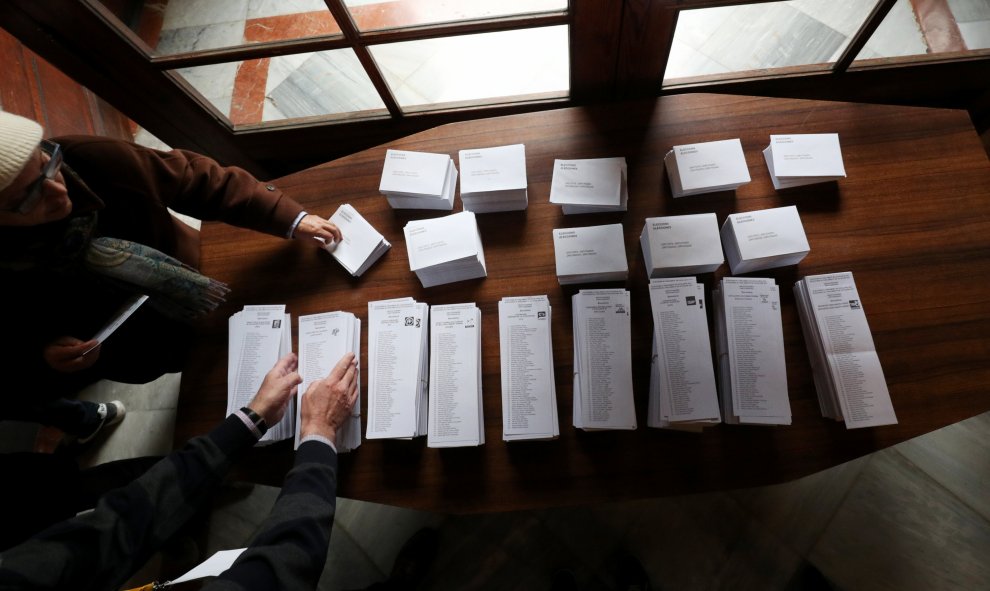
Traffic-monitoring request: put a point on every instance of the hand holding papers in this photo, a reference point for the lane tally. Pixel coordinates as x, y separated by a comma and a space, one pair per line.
844, 360
603, 393
750, 343
804, 159
418, 180
444, 250
590, 254
681, 245
529, 393
361, 245
764, 239
707, 167
456, 410
589, 186
398, 359
494, 179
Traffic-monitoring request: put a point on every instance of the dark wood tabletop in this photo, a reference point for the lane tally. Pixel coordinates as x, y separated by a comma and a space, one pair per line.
911, 221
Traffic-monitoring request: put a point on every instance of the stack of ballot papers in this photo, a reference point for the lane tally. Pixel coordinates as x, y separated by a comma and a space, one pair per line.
844, 361
457, 417
589, 186
603, 390
361, 245
804, 159
445, 250
679, 245
764, 239
258, 337
323, 340
418, 180
682, 382
398, 362
752, 374
529, 393
590, 254
494, 179
707, 167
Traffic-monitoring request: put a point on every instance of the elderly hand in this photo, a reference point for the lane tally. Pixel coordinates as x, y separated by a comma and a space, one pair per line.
313, 226
276, 390
65, 354
327, 403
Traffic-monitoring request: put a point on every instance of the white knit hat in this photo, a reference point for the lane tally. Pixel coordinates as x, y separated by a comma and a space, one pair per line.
18, 139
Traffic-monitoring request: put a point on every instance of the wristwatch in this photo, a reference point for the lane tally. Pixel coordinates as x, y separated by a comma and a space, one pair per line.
258, 421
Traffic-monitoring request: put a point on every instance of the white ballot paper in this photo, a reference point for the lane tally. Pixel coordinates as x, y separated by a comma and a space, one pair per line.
494, 179
323, 340
445, 250
398, 360
848, 377
603, 392
706, 167
418, 180
258, 337
529, 392
590, 254
213, 566
764, 239
682, 384
750, 343
457, 416
589, 186
680, 245
804, 159
129, 307
361, 245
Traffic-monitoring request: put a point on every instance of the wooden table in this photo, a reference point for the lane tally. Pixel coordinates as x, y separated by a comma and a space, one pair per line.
911, 220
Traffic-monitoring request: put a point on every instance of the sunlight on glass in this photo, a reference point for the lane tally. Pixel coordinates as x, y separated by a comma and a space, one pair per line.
373, 15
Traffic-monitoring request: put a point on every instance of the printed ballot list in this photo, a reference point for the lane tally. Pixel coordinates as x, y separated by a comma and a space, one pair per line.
848, 377
455, 404
603, 393
398, 361
590, 185
750, 343
682, 381
257, 337
529, 394
323, 340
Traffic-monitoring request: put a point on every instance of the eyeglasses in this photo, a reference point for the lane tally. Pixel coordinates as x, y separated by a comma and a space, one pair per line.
49, 171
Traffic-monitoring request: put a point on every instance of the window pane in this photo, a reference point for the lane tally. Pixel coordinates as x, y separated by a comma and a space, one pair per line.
376, 14
286, 87
476, 67
178, 26
957, 25
730, 39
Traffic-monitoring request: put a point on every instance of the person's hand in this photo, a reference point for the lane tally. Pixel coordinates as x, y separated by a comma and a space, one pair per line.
278, 387
313, 226
327, 403
65, 354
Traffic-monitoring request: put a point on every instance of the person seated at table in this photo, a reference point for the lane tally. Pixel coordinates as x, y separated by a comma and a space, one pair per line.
103, 548
83, 227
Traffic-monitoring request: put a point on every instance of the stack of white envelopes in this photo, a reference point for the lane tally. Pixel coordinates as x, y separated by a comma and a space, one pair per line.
494, 179
445, 250
603, 389
418, 180
258, 337
398, 368
595, 185
361, 244
323, 340
590, 254
752, 374
844, 361
764, 239
804, 159
457, 417
682, 382
680, 245
529, 393
707, 167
